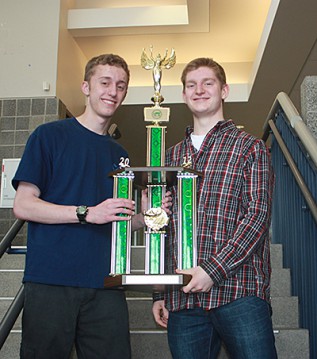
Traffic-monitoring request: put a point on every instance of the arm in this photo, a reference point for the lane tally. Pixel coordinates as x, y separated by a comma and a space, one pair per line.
252, 218
28, 206
252, 224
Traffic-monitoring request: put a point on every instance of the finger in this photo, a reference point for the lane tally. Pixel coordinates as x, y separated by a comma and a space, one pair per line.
162, 320
124, 211
161, 323
127, 211
181, 271
122, 218
187, 289
158, 318
125, 203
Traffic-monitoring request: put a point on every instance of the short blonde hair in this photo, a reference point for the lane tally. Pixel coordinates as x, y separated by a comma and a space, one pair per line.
105, 59
204, 62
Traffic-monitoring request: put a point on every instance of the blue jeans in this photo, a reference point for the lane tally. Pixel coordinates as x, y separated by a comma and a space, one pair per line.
244, 326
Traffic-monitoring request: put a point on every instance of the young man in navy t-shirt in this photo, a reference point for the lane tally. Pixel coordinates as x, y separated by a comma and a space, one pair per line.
64, 191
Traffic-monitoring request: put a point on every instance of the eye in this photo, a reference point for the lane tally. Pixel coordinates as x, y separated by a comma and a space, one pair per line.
121, 88
208, 83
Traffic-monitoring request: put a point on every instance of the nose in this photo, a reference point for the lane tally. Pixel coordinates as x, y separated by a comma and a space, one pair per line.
112, 90
200, 88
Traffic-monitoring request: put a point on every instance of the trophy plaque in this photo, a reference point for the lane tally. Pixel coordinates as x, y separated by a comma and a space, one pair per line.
156, 178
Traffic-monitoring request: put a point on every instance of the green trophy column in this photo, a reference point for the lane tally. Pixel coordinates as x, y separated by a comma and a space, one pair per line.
155, 150
121, 230
187, 213
154, 261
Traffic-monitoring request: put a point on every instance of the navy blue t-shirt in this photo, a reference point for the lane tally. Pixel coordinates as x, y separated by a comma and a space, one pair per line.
70, 165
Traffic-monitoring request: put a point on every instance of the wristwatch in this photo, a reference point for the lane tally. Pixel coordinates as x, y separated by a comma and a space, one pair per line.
81, 212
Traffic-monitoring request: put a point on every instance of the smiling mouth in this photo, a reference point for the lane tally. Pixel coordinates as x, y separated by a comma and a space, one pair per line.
201, 99
108, 102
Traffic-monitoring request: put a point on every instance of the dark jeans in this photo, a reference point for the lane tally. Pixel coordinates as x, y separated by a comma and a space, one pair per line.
244, 326
55, 318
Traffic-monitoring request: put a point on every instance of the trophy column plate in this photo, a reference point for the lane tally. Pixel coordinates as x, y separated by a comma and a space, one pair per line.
147, 280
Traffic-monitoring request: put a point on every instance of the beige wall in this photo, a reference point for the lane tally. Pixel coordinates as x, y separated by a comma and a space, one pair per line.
28, 47
70, 65
35, 47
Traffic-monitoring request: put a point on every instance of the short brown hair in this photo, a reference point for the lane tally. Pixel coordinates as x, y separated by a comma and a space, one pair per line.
105, 59
204, 62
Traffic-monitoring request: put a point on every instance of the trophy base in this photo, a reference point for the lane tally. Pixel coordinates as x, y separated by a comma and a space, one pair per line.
155, 282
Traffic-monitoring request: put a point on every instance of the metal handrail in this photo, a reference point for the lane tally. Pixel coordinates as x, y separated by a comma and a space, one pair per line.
305, 135
16, 306
11, 316
297, 175
10, 235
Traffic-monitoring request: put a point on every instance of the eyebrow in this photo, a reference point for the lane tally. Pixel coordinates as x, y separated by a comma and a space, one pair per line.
111, 79
204, 79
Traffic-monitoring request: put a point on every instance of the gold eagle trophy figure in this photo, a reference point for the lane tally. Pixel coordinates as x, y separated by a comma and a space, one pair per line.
156, 64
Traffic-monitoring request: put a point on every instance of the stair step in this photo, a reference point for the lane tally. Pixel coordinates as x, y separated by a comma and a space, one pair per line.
290, 344
12, 261
4, 306
285, 312
11, 281
281, 282
276, 255
149, 344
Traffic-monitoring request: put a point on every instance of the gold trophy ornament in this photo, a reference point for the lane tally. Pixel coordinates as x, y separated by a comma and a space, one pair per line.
156, 64
155, 218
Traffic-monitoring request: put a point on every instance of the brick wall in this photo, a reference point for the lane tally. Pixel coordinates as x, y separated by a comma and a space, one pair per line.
18, 118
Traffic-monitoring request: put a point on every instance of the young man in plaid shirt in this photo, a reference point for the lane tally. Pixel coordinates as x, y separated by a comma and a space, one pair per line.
228, 297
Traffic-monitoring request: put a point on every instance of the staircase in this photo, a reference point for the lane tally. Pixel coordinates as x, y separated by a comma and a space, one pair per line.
148, 340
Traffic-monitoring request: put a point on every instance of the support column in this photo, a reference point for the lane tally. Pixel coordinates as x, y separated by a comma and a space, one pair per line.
309, 103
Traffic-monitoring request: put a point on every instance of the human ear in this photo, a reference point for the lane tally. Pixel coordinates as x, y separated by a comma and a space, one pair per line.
184, 97
85, 88
225, 91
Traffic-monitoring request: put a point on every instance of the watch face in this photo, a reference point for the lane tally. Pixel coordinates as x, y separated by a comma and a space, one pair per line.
81, 212
81, 209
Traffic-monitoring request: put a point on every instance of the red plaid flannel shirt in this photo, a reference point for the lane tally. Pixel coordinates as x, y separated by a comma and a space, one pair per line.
233, 216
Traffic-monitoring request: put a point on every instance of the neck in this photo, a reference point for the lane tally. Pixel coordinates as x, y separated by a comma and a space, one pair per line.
94, 123
203, 125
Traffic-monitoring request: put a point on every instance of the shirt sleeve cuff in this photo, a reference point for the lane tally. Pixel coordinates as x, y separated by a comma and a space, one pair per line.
157, 296
215, 270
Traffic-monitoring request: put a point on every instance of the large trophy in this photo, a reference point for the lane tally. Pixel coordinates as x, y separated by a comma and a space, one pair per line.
156, 178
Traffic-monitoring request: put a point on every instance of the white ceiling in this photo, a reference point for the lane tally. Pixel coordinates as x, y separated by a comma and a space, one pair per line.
233, 32
265, 46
